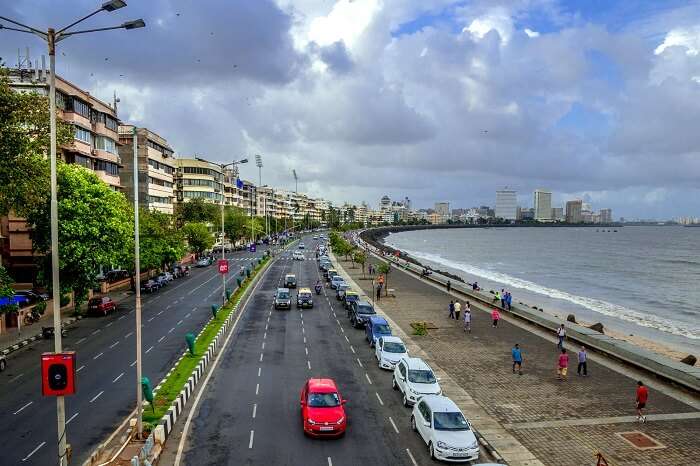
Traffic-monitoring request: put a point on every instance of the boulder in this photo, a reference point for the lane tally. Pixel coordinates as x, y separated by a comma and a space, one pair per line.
571, 318
598, 327
689, 360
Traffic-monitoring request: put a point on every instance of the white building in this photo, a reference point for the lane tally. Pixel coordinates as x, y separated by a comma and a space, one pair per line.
506, 204
543, 205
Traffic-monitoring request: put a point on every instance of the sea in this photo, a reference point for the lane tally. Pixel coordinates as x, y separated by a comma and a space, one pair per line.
640, 280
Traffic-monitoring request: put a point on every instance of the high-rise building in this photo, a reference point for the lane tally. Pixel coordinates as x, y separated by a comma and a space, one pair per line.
198, 178
558, 214
573, 211
543, 205
605, 215
384, 203
442, 208
506, 204
155, 165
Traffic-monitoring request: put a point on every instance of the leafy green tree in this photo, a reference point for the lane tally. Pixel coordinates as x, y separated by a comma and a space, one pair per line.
360, 258
197, 210
6, 290
160, 242
24, 146
95, 228
198, 237
384, 268
235, 222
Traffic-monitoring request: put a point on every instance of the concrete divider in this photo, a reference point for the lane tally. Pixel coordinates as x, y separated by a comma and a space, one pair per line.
621, 350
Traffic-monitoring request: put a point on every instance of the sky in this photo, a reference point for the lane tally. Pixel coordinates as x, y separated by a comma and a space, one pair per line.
432, 100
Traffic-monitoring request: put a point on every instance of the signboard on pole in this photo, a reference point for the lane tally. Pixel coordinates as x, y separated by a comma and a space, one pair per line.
252, 247
223, 266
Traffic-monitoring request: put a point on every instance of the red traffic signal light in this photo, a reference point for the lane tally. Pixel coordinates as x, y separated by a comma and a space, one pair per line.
58, 374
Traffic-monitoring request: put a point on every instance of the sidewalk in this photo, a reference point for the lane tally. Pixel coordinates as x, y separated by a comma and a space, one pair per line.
561, 423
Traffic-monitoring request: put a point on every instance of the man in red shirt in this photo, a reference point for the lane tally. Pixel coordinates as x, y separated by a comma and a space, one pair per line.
642, 396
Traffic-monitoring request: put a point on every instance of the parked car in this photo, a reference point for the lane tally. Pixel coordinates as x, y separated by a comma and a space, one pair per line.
322, 409
360, 312
150, 286
376, 327
349, 298
282, 299
325, 265
315, 237
290, 280
330, 273
389, 350
103, 305
304, 298
443, 427
414, 378
340, 290
335, 281
27, 297
204, 262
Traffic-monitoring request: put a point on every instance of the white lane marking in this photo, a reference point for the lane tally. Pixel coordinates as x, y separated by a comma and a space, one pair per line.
16, 377
114, 344
263, 345
128, 335
261, 356
149, 349
302, 330
352, 349
266, 327
306, 350
133, 364
379, 398
330, 463
252, 435
97, 396
33, 451
161, 339
109, 324
98, 356
368, 379
80, 341
159, 313
346, 338
255, 409
342, 329
22, 408
132, 311
171, 330
118, 377
188, 315
304, 340
413, 460
393, 425
96, 332
337, 321
257, 388
168, 307
72, 417
359, 362
264, 335
151, 319
121, 318
308, 363
198, 287
259, 371
80, 369
179, 322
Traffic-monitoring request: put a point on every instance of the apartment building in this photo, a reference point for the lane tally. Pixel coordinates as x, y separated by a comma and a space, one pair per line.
198, 178
543, 205
155, 167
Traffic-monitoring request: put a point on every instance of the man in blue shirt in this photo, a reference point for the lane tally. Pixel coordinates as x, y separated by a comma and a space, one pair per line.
517, 359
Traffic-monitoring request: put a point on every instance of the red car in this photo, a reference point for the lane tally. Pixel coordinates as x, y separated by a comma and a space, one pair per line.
101, 305
322, 409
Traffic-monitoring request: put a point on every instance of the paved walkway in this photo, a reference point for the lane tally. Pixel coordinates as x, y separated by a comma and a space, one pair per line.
561, 423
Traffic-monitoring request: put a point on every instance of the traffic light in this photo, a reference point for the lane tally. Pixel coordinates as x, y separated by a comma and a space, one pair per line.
58, 374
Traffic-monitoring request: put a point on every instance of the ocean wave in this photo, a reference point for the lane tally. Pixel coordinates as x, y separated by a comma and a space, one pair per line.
595, 305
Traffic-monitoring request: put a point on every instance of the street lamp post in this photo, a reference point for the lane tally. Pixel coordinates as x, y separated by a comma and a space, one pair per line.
51, 36
223, 247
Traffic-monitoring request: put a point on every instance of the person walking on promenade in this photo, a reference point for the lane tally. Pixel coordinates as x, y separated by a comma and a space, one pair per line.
452, 309
458, 309
561, 334
497, 297
496, 316
562, 365
503, 298
467, 318
449, 285
582, 362
509, 299
517, 359
641, 401
475, 286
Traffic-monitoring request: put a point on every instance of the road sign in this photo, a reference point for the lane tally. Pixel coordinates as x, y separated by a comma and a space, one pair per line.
58, 373
223, 266
252, 247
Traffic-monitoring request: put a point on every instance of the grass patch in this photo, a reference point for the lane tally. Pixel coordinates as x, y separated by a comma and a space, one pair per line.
419, 328
178, 377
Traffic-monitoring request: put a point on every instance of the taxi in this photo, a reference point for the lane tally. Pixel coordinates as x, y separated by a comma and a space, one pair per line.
304, 298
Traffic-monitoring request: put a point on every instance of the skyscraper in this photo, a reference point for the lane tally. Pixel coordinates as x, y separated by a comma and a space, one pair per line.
605, 215
573, 211
506, 204
543, 205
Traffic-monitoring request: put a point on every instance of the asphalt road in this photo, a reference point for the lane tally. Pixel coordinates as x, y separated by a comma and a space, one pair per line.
249, 412
106, 379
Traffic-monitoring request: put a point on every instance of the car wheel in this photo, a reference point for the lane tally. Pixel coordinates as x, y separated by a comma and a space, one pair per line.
431, 451
413, 424
3, 364
393, 384
405, 400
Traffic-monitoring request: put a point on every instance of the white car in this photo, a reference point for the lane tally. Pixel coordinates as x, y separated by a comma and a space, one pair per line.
389, 350
445, 430
298, 256
414, 378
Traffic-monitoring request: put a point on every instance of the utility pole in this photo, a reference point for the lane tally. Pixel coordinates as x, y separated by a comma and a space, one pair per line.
137, 285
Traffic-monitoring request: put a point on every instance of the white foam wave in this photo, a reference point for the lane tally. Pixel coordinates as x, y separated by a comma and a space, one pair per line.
595, 305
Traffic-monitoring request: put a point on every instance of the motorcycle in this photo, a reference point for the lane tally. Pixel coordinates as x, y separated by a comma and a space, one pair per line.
318, 289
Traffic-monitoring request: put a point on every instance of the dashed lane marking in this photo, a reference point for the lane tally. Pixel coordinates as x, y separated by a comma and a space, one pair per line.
161, 339
359, 362
98, 355
257, 388
16, 377
109, 324
121, 317
259, 371
263, 345
330, 462
368, 379
133, 364
264, 335
346, 338
80, 369
352, 349
187, 315
23, 407
250, 443
149, 350
159, 313
171, 330
304, 340
114, 344
179, 322
308, 363
72, 417
413, 460
97, 396
306, 350
33, 451
393, 425
255, 409
118, 377
261, 356
128, 335
96, 332
80, 341
379, 398
151, 319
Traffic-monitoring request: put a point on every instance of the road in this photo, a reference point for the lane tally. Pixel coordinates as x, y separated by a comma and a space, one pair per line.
106, 379
249, 413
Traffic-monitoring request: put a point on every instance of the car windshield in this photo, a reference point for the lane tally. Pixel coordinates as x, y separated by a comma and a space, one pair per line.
304, 295
382, 329
450, 421
365, 310
283, 295
291, 279
350, 297
323, 400
421, 376
96, 301
394, 347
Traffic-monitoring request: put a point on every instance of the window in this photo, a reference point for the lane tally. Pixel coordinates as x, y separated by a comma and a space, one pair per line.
167, 184
82, 134
203, 194
197, 182
111, 123
79, 160
153, 145
161, 166
106, 144
107, 167
81, 107
204, 171
61, 100
159, 200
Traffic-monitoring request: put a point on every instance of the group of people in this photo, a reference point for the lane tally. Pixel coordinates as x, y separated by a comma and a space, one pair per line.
504, 297
455, 308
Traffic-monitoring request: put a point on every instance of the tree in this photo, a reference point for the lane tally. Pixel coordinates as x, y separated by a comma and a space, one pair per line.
235, 221
360, 258
198, 237
6, 291
95, 229
197, 210
24, 146
160, 242
384, 268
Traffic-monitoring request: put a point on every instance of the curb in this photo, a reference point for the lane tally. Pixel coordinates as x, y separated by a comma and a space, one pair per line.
26, 341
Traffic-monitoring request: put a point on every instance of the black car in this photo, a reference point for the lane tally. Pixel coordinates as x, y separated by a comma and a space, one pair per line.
282, 299
360, 312
349, 298
290, 281
304, 298
150, 286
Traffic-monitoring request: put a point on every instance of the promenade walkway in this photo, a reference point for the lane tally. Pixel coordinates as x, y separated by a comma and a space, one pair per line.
559, 422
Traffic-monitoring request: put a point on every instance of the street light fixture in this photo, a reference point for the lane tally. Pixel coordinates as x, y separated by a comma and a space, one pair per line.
51, 36
223, 248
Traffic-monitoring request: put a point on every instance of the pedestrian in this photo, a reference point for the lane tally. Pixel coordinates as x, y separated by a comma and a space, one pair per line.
562, 365
379, 292
449, 286
458, 308
503, 298
467, 318
561, 334
641, 401
452, 309
582, 362
509, 299
496, 316
517, 358
475, 286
